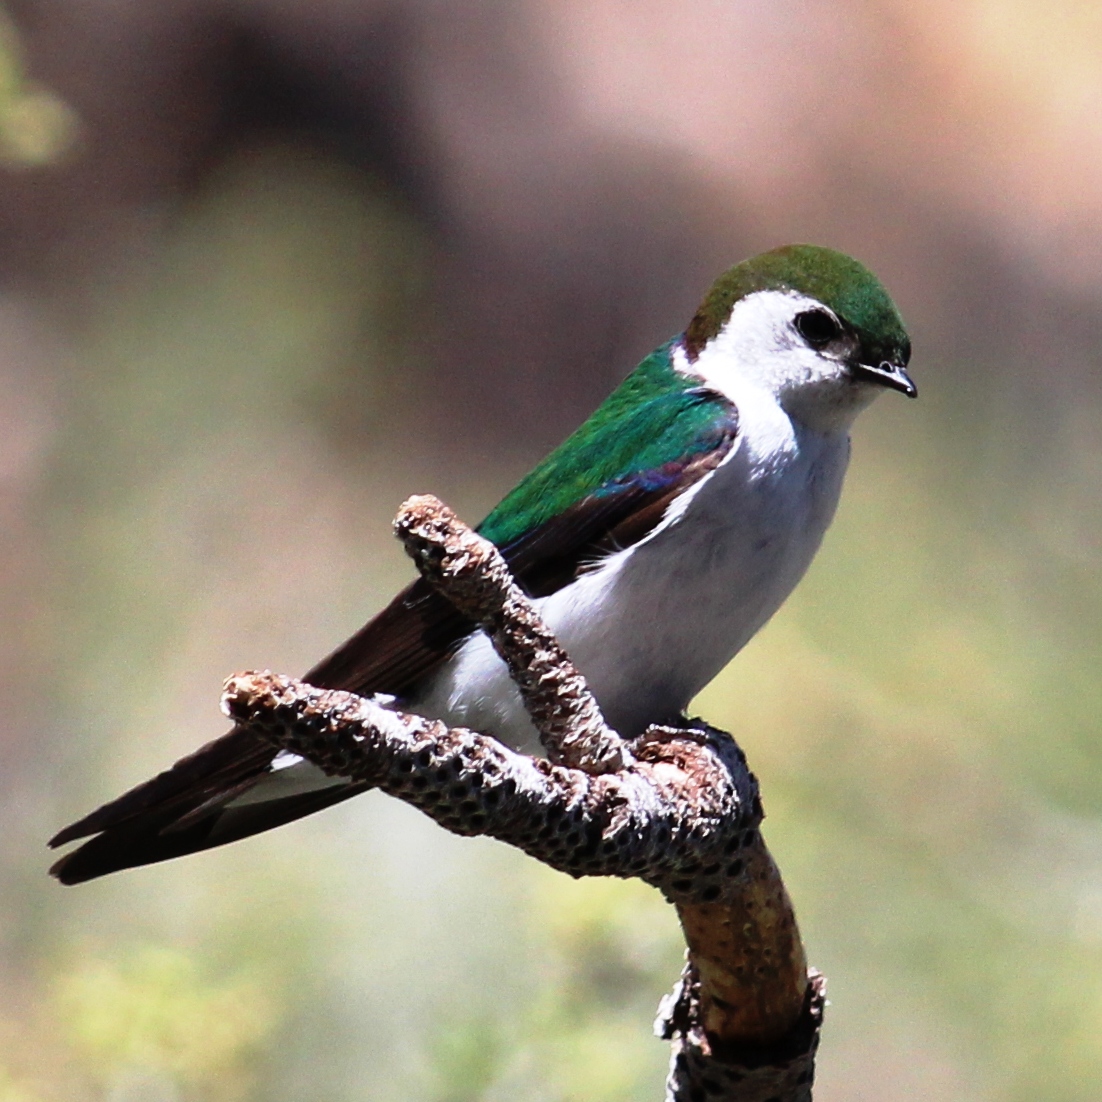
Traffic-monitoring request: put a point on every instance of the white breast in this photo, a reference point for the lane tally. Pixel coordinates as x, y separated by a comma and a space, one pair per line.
652, 625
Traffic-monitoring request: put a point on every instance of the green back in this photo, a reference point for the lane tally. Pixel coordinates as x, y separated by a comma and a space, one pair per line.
658, 415
655, 416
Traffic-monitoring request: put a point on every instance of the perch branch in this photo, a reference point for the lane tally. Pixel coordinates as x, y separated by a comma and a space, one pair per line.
676, 807
472, 574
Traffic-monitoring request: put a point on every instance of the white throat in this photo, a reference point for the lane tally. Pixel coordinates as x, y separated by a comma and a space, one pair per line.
760, 352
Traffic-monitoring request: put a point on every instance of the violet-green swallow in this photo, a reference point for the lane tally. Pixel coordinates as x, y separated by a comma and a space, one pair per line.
656, 540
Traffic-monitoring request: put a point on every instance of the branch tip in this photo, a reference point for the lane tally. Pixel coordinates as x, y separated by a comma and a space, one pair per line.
471, 573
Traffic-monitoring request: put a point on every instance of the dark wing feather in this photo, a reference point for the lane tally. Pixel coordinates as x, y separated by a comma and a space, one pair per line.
157, 835
216, 767
181, 810
415, 632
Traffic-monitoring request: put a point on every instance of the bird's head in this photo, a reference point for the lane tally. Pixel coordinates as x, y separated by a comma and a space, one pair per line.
812, 326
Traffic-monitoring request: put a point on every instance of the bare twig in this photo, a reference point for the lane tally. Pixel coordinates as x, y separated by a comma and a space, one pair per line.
471, 573
677, 808
678, 819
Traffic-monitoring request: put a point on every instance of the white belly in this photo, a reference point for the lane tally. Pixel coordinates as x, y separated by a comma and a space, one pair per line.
651, 626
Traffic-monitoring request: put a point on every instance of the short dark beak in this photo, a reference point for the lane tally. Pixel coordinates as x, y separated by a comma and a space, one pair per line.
890, 375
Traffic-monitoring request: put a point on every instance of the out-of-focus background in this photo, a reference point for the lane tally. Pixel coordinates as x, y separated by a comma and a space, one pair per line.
269, 266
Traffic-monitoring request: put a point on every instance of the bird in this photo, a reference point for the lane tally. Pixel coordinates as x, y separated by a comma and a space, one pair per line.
656, 540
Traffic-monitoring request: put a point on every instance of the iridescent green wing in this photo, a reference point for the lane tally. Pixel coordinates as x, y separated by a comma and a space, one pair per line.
602, 489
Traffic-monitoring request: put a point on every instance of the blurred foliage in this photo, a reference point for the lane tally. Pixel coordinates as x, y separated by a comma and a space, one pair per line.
12, 1091
466, 1055
37, 127
154, 1016
239, 425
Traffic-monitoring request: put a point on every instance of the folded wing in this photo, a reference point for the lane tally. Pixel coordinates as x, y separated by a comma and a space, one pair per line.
605, 488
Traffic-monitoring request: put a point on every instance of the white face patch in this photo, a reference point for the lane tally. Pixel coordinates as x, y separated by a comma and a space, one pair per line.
759, 349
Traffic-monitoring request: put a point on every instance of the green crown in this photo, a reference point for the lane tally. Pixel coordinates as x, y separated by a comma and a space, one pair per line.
831, 277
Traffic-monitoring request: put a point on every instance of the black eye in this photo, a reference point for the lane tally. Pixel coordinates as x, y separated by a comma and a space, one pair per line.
817, 327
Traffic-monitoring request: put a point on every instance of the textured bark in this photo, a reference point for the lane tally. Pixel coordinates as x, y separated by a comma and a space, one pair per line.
679, 818
676, 807
706, 1068
747, 951
471, 573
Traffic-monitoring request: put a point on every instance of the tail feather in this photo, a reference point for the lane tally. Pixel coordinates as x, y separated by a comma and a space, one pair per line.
225, 763
225, 791
228, 789
159, 833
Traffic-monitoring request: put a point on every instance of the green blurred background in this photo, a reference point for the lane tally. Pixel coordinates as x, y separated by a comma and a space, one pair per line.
269, 266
